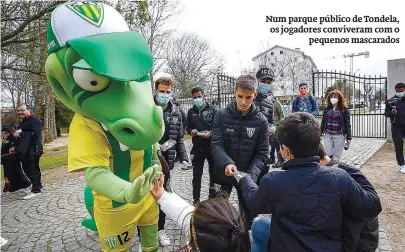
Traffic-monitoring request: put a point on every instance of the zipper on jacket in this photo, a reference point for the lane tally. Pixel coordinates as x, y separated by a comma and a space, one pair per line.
239, 136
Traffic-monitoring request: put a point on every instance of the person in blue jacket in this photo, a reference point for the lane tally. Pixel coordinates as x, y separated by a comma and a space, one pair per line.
305, 102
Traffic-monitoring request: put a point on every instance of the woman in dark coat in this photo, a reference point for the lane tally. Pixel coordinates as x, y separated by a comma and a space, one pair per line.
15, 178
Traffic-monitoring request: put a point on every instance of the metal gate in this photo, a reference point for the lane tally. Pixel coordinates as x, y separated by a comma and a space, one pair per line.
365, 97
225, 89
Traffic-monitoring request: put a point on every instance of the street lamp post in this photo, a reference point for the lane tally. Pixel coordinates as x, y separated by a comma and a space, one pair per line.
367, 55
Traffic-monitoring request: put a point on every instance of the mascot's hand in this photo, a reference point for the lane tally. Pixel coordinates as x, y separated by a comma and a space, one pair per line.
141, 185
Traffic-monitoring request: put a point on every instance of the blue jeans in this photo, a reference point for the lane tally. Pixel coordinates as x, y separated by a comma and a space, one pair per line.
261, 234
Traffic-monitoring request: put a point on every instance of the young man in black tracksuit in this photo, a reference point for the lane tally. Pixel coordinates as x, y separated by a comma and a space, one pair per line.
395, 110
240, 137
29, 148
199, 125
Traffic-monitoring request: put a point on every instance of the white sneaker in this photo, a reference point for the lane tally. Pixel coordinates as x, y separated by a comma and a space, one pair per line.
31, 195
402, 169
140, 248
163, 239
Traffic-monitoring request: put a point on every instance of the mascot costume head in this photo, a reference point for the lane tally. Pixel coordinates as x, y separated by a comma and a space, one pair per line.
99, 68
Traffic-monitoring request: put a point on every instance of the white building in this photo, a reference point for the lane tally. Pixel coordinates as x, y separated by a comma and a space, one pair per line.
290, 66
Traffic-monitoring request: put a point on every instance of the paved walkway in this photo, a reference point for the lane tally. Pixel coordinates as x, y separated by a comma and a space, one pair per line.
51, 222
58, 142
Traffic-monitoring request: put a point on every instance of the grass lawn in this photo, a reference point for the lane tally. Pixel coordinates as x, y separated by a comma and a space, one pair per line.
53, 157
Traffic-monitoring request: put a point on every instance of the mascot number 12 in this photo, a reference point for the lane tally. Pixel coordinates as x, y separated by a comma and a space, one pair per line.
99, 69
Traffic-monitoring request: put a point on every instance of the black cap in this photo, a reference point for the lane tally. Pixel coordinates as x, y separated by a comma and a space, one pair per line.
400, 85
265, 73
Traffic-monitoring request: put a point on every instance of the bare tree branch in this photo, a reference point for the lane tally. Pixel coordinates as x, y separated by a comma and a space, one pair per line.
27, 22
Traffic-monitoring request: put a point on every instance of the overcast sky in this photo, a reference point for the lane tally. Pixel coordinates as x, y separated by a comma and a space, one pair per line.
237, 29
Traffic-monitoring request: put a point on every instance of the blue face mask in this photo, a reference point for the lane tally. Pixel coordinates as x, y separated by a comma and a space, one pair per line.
263, 88
198, 102
400, 94
163, 98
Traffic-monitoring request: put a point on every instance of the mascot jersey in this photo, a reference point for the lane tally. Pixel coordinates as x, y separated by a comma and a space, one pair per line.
97, 147
99, 68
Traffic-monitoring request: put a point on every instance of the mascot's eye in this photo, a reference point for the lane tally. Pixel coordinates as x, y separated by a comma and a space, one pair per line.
89, 81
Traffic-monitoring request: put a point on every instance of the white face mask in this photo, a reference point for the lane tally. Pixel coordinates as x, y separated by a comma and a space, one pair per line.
334, 100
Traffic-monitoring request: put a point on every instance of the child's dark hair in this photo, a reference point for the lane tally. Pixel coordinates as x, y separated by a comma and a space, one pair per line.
217, 226
246, 82
196, 90
300, 132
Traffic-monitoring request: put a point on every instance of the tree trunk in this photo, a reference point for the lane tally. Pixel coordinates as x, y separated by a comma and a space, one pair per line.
52, 118
47, 126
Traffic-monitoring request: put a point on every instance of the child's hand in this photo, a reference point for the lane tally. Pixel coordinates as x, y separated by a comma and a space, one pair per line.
158, 190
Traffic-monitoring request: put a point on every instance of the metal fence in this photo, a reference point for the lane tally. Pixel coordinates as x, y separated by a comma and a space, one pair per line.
365, 98
224, 93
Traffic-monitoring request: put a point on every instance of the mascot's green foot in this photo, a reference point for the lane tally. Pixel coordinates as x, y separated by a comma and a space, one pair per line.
90, 224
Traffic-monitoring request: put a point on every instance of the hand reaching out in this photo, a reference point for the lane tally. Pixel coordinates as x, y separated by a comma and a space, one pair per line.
158, 190
230, 170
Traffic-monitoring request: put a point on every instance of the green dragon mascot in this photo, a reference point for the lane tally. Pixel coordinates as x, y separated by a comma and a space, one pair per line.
99, 68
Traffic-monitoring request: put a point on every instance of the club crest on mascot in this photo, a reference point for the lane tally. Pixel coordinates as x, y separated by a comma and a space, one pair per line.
99, 68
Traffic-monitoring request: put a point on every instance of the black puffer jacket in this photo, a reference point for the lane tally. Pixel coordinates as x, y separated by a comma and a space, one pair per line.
344, 122
173, 130
201, 120
397, 120
308, 203
265, 105
239, 140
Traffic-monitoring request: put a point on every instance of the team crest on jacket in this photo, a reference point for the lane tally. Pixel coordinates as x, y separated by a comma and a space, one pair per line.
250, 131
175, 120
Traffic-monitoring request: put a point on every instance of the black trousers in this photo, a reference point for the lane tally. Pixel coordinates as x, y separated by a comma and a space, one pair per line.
32, 171
243, 208
275, 148
12, 170
200, 155
162, 215
37, 156
398, 134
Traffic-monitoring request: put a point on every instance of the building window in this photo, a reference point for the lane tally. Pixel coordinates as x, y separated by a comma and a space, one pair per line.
281, 52
272, 53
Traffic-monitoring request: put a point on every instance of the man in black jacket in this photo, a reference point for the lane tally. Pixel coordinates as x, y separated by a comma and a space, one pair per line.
240, 137
308, 201
173, 131
395, 110
29, 148
264, 102
199, 125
